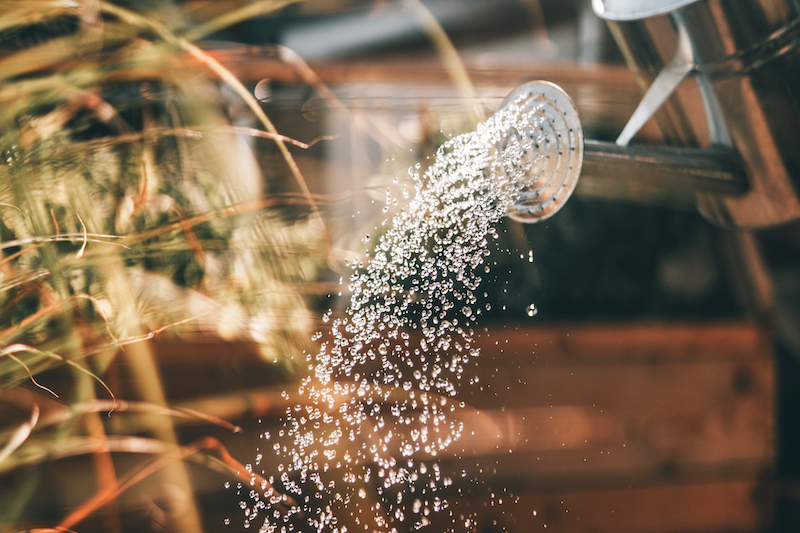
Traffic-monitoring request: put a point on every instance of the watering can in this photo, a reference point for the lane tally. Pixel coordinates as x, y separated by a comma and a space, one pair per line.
722, 80
724, 76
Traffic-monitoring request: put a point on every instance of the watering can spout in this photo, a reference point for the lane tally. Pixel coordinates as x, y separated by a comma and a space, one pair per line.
553, 141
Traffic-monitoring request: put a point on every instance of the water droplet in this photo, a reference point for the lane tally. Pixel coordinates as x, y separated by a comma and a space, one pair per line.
532, 310
263, 91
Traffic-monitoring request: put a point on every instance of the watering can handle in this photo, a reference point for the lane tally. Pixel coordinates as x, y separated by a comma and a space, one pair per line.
662, 87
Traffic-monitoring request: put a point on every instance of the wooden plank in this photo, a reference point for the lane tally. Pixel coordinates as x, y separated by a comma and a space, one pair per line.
701, 508
253, 63
605, 95
640, 404
572, 343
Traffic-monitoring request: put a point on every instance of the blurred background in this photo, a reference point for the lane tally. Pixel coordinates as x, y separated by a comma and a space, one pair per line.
172, 238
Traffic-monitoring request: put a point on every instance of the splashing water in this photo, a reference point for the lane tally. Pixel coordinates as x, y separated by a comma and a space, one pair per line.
380, 404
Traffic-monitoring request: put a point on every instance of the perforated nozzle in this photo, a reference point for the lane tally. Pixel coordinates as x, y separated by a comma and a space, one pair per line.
553, 148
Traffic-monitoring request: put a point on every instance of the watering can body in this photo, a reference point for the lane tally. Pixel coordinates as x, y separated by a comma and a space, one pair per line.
721, 73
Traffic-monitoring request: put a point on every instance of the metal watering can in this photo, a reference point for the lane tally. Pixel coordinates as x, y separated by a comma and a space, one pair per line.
723, 84
723, 75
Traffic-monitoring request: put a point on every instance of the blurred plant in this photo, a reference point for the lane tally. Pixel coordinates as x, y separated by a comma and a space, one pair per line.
130, 206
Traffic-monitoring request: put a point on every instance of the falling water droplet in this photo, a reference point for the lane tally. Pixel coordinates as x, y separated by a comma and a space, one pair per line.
532, 310
263, 90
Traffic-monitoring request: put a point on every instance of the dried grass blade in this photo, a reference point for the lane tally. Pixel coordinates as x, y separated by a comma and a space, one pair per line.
16, 348
29, 289
196, 133
27, 321
97, 406
26, 279
3, 204
255, 9
41, 57
15, 255
21, 434
55, 221
47, 530
106, 495
85, 238
450, 57
121, 343
96, 378
99, 307
253, 132
91, 237
228, 211
27, 12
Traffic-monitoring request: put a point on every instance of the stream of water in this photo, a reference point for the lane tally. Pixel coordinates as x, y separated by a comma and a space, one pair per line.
359, 449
